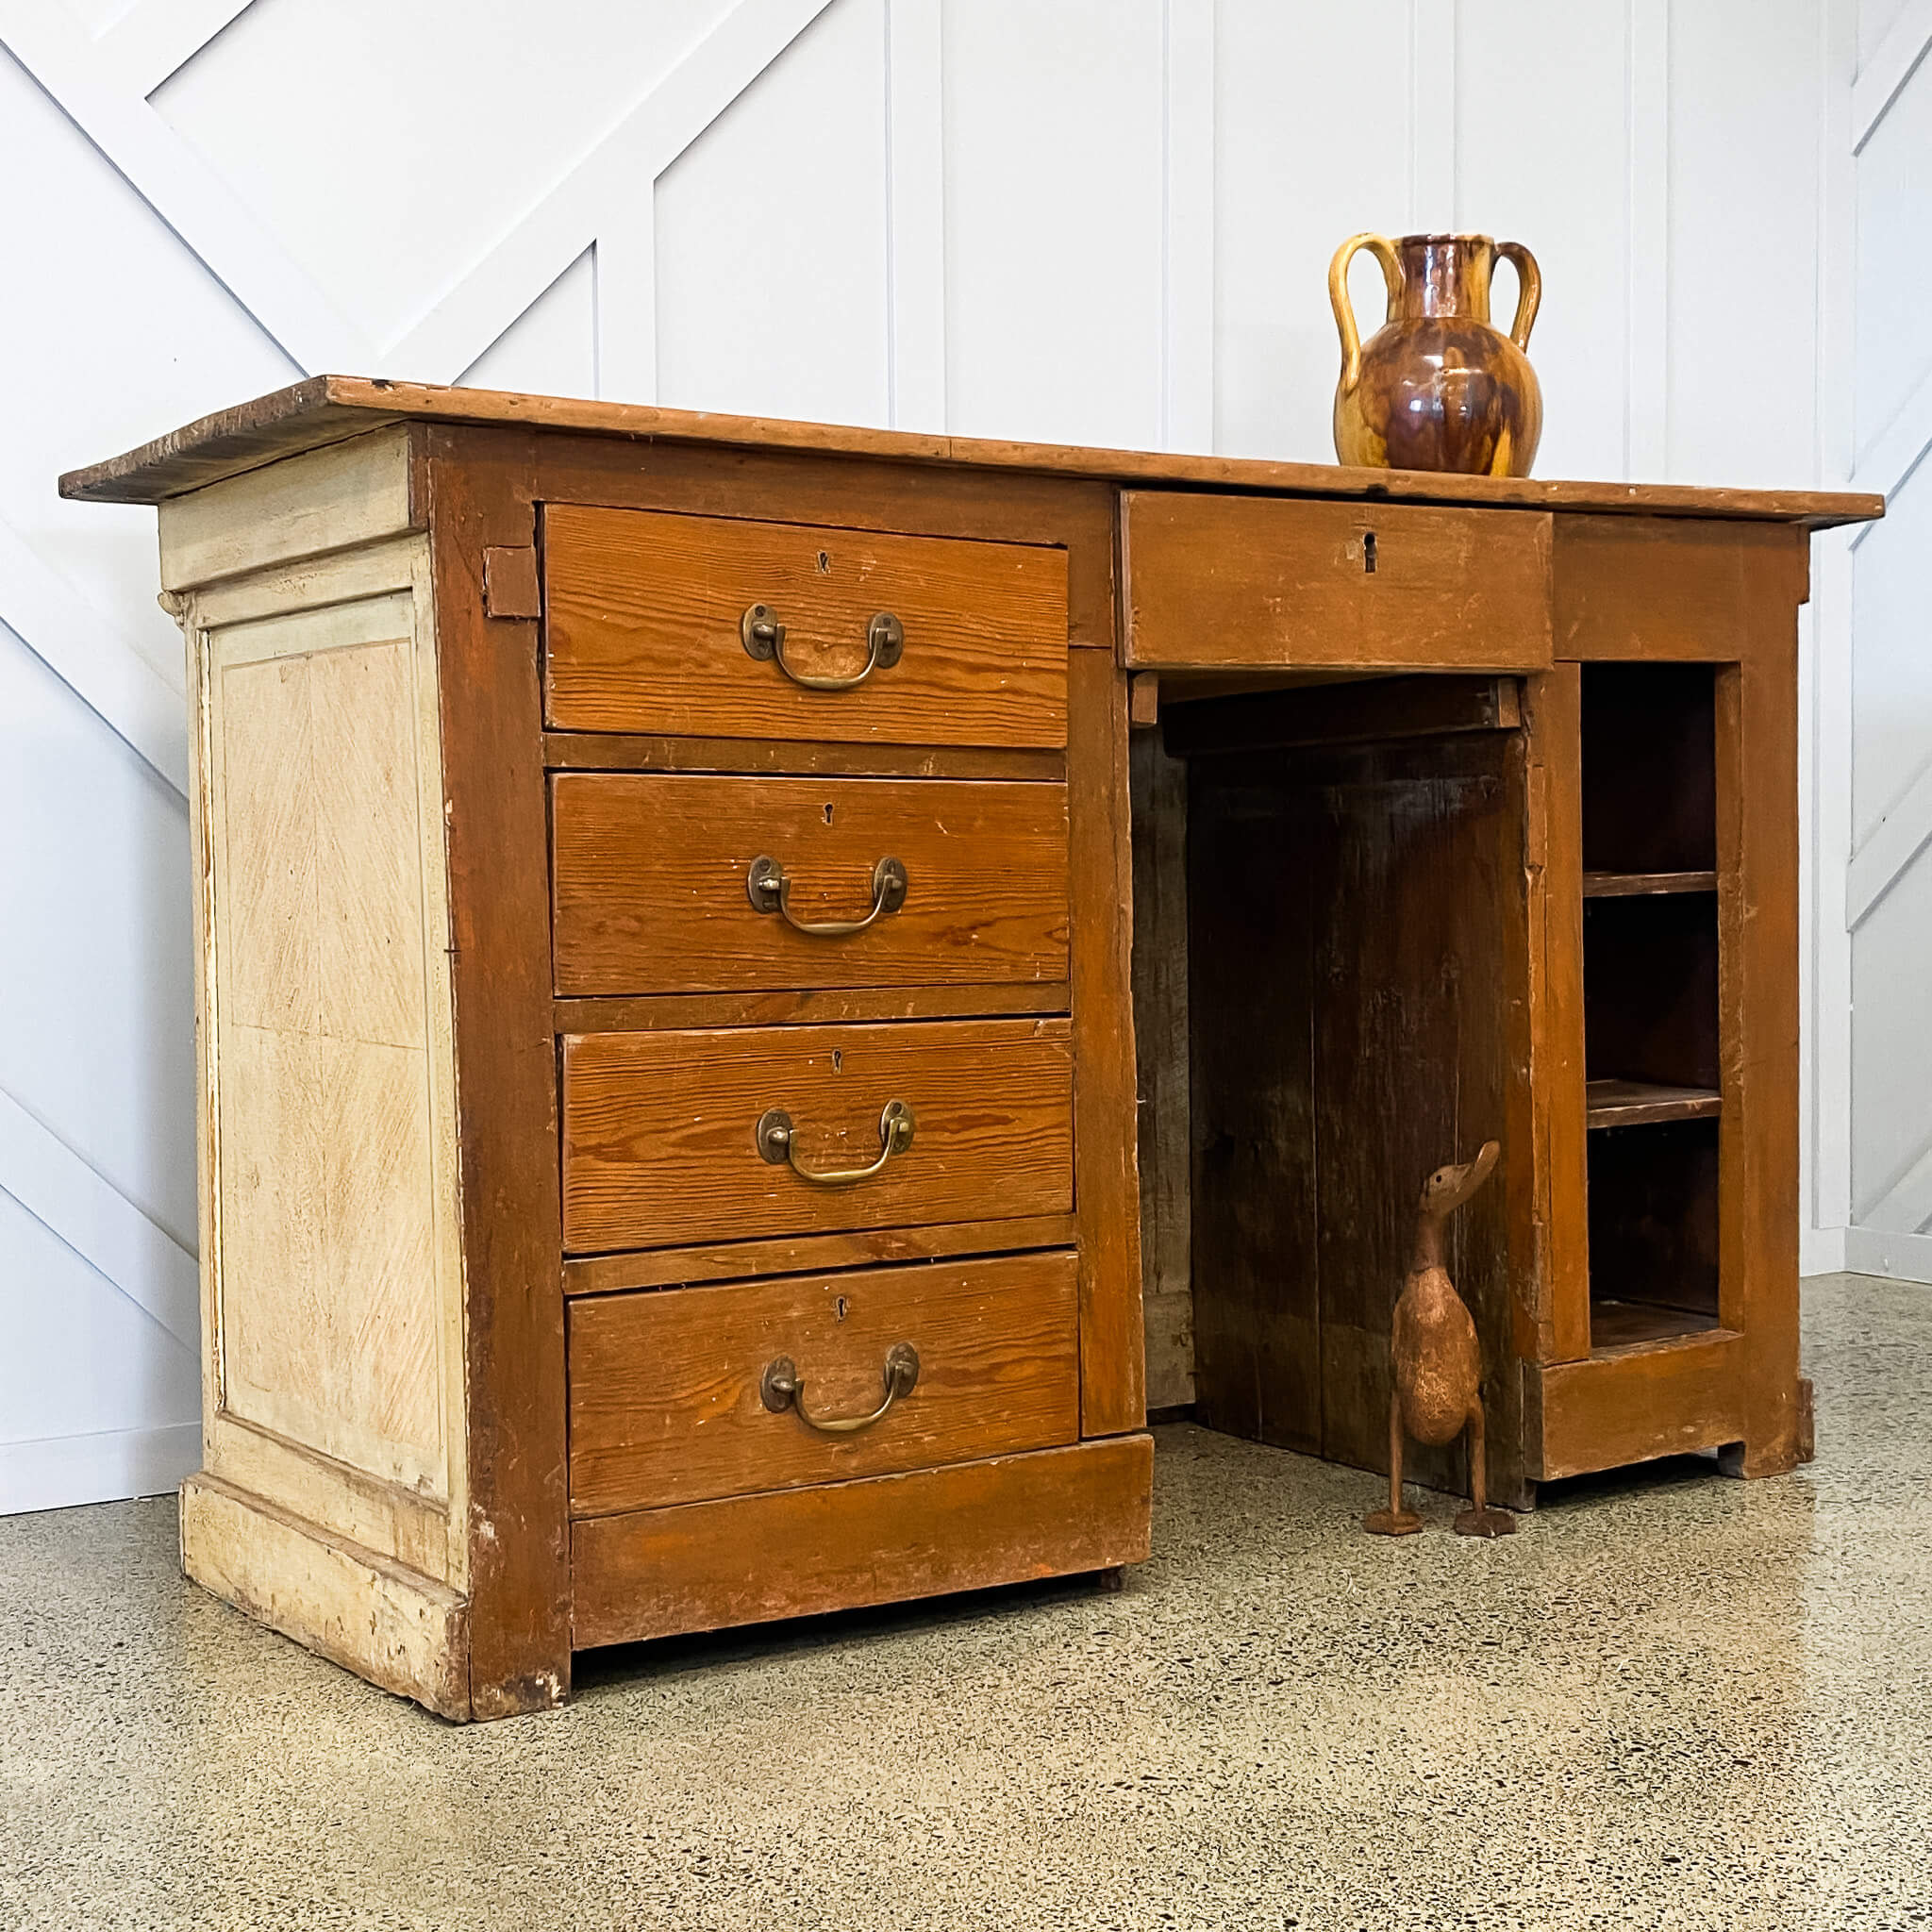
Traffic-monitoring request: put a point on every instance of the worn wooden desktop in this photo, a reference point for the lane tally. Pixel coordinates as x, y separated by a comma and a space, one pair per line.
531, 739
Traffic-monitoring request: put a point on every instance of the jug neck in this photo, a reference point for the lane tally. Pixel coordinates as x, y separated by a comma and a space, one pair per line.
1444, 276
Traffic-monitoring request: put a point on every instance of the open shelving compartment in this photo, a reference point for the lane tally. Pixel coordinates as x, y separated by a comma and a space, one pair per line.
1651, 1000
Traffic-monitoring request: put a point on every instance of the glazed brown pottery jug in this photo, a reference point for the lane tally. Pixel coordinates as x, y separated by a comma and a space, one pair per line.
1437, 387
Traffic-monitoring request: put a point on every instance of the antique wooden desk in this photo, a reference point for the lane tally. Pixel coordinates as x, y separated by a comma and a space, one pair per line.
665, 901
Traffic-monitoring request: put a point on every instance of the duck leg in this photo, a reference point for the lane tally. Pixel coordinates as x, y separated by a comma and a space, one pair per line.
1396, 1520
1479, 1519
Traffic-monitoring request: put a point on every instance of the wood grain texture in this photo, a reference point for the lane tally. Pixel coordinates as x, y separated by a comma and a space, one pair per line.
355, 494
1631, 885
658, 1143
1112, 1334
969, 1525
854, 492
325, 409
479, 486
1757, 948
1355, 1024
1641, 1103
1160, 789
822, 1005
1660, 589
1363, 711
807, 1253
650, 876
1665, 1398
625, 751
329, 1001
643, 613
1240, 580
1559, 1296
398, 1628
664, 1388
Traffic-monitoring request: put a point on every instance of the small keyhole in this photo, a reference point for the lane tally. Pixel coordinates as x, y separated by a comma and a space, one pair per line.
837, 1059
1368, 553
824, 563
841, 1307
828, 814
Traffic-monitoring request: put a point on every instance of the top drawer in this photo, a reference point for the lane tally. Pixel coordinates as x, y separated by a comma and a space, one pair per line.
647, 630
1252, 581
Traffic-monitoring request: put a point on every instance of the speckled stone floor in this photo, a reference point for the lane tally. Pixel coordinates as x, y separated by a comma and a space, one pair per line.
1671, 1701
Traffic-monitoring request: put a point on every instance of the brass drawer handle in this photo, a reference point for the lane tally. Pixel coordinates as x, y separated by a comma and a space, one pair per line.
782, 1387
770, 891
764, 637
777, 1145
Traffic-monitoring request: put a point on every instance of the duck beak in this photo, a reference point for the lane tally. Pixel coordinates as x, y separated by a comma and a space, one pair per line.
1472, 1176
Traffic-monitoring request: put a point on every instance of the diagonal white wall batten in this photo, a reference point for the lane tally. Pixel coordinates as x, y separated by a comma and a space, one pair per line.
104, 669
1893, 63
1899, 836
187, 196
1111, 231
154, 38
99, 1223
1892, 456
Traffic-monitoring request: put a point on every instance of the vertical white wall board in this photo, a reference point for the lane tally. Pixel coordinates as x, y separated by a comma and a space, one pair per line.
386, 146
551, 348
771, 228
1743, 258
1104, 221
1894, 339
1300, 163
1551, 84
1053, 122
97, 945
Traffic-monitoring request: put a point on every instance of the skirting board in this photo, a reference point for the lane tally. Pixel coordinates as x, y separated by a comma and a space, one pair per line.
1879, 1250
61, 1472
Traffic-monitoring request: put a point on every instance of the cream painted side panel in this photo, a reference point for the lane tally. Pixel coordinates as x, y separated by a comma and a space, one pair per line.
332, 1262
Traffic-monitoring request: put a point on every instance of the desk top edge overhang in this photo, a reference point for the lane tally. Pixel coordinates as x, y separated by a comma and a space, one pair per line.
323, 410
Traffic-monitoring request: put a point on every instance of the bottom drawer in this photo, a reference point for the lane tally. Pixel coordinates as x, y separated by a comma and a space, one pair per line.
672, 1398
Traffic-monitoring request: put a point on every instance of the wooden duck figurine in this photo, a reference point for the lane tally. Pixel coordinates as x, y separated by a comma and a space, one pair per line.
1437, 1361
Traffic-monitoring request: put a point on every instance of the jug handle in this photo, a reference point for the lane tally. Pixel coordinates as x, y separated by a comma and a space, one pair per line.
1384, 251
1529, 290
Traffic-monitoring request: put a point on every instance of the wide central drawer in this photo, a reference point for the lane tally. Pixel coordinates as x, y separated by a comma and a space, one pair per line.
669, 883
752, 1132
720, 628
668, 1390
1244, 582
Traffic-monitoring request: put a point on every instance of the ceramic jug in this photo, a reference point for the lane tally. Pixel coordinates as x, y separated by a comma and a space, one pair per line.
1437, 387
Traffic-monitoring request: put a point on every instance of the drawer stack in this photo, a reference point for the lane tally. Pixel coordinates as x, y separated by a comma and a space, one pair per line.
811, 937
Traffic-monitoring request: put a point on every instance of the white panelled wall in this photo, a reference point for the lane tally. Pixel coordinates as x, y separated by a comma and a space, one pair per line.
1104, 221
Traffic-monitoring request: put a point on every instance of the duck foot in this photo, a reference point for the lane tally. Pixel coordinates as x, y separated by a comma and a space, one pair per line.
1395, 1523
1486, 1523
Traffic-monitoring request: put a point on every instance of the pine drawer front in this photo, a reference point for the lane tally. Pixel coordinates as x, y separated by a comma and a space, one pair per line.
669, 1138
667, 1389
669, 884
1250, 581
647, 630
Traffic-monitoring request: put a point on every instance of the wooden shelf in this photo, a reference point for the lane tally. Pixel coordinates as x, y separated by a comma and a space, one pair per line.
1641, 1104
1627, 1324
1643, 885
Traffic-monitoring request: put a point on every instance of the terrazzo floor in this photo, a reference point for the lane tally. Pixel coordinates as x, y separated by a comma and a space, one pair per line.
1670, 1701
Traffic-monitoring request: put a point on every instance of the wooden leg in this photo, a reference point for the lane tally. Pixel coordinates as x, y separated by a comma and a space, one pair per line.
1396, 1520
1479, 1519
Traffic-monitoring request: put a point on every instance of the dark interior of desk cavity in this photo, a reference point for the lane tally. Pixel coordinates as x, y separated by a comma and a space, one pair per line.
1332, 993
1357, 1015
